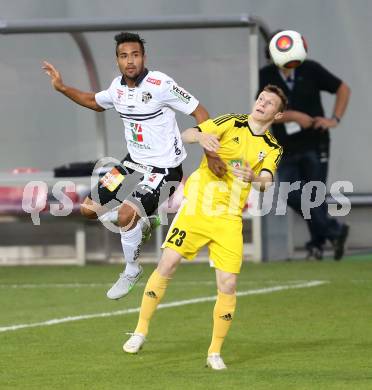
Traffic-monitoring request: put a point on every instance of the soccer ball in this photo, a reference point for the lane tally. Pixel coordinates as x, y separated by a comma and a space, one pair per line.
288, 49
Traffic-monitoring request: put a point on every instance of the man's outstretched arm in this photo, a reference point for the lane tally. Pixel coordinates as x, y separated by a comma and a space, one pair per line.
208, 141
215, 163
85, 99
200, 114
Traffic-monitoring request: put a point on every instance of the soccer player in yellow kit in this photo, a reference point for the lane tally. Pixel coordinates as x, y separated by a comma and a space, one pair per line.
211, 211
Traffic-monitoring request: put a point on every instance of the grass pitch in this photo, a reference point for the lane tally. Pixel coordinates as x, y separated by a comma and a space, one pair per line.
298, 338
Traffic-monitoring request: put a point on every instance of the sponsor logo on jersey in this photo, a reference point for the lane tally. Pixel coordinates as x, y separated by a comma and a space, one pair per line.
236, 140
136, 130
236, 163
120, 93
146, 97
137, 140
177, 150
261, 155
153, 81
181, 94
139, 146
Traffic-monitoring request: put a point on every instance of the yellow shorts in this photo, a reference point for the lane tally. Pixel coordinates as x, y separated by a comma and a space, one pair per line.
189, 233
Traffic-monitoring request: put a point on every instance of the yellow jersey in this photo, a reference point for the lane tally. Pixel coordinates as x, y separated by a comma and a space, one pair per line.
226, 197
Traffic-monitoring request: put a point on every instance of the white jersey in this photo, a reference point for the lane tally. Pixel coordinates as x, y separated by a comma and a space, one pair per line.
150, 127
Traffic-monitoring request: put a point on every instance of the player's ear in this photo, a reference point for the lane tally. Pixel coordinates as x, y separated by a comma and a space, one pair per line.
278, 115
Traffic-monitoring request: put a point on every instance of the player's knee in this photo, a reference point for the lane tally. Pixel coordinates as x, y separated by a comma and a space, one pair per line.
86, 212
228, 285
167, 269
126, 217
169, 262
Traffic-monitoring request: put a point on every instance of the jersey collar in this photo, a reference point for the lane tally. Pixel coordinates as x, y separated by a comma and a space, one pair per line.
139, 78
251, 131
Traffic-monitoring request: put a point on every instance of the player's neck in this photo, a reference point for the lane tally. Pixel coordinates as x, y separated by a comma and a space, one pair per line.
133, 82
130, 82
257, 127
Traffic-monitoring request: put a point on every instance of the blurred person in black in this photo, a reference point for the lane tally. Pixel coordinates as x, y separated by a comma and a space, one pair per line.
304, 134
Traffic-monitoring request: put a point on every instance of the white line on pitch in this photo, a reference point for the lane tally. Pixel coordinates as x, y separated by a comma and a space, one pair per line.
265, 290
89, 285
175, 283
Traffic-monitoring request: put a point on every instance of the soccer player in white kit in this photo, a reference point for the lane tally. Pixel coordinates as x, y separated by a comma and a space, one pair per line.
145, 100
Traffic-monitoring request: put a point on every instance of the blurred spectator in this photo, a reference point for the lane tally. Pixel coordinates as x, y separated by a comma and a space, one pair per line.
304, 134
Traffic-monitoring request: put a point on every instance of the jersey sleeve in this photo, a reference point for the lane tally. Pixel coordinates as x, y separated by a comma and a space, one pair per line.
216, 126
178, 98
104, 98
272, 160
325, 79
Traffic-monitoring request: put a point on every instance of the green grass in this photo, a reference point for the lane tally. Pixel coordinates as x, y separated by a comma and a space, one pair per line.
309, 338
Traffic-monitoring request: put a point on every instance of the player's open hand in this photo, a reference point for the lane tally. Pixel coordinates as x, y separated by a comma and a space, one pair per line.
209, 142
244, 173
55, 76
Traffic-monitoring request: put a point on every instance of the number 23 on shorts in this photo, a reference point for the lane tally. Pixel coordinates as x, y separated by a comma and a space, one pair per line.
177, 236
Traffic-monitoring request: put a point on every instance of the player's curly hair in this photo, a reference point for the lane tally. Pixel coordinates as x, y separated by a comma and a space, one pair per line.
129, 37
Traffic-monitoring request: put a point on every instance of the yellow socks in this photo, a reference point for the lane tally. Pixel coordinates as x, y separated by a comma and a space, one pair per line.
154, 292
222, 316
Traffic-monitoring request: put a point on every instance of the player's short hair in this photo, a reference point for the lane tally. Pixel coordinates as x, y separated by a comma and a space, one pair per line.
124, 37
279, 92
